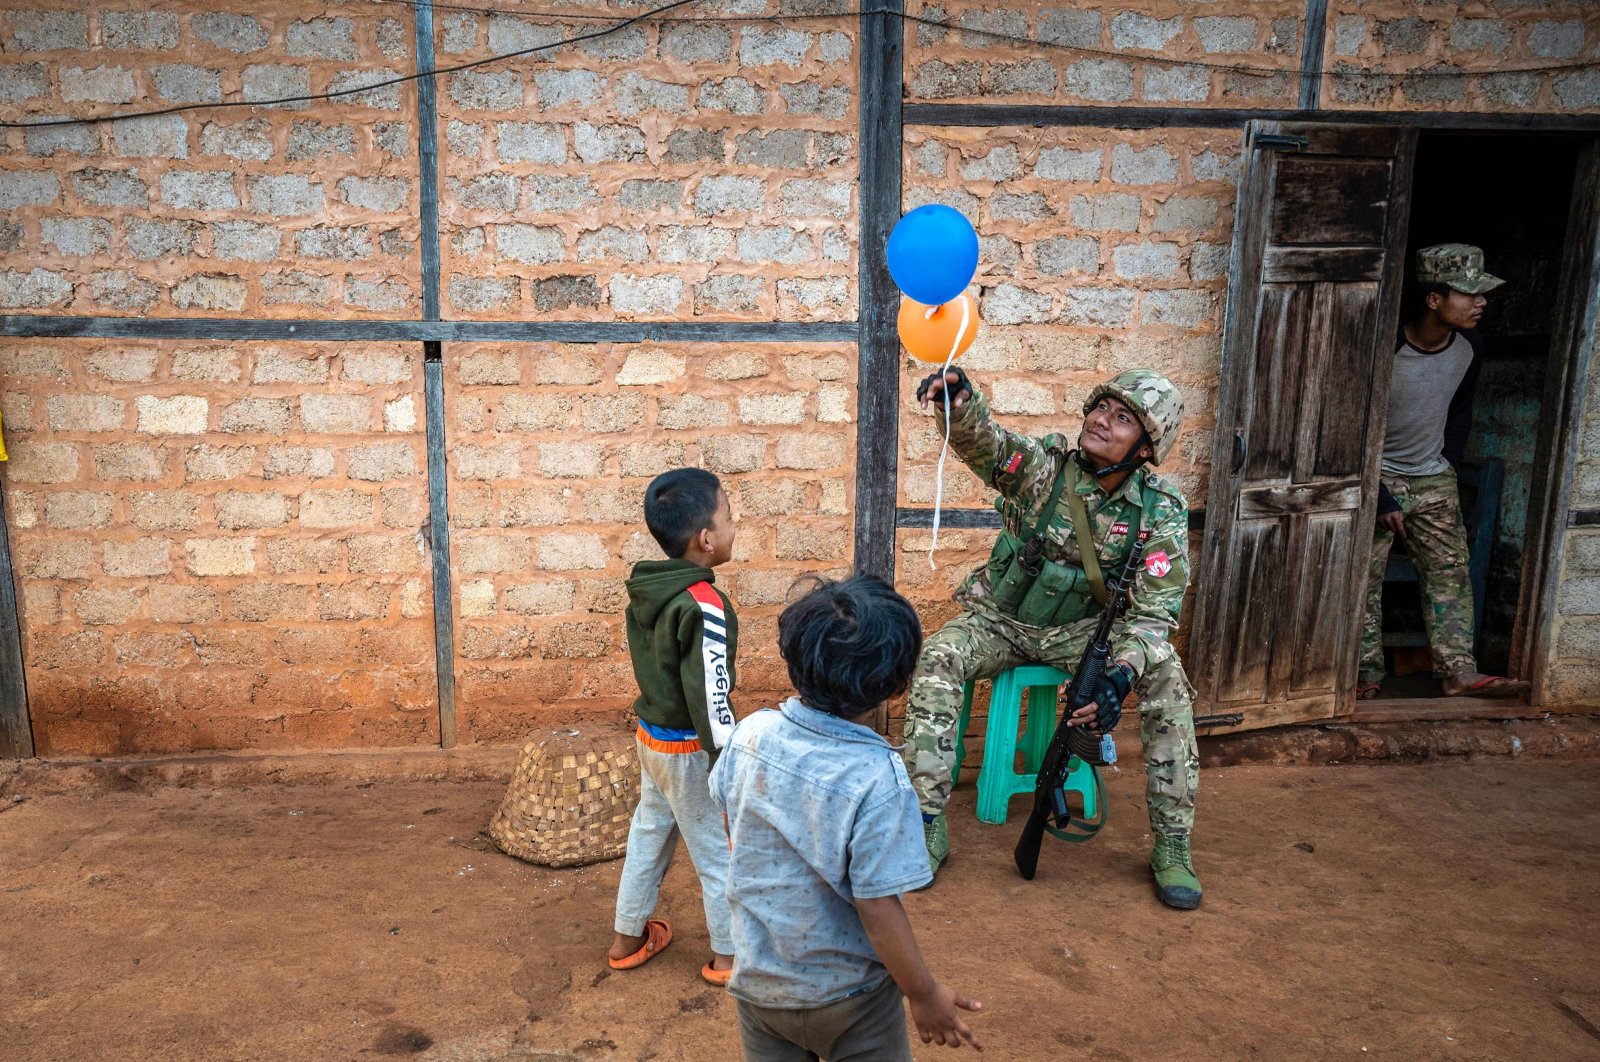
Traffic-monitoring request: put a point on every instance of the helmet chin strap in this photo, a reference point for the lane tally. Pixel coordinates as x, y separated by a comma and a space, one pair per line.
1127, 464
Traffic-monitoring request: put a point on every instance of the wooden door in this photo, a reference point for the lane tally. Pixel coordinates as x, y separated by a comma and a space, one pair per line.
1308, 344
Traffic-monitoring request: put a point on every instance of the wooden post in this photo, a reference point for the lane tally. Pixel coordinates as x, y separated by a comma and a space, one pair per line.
1312, 45
878, 359
16, 735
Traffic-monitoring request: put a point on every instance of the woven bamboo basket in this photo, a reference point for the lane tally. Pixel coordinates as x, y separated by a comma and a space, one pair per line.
571, 799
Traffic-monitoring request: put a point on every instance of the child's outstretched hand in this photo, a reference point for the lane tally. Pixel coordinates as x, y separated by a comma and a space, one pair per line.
938, 1017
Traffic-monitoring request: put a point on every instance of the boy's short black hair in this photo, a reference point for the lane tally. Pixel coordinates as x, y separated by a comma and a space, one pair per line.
679, 505
850, 645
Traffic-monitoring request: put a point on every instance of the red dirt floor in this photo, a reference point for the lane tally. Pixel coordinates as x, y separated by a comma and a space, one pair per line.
1436, 911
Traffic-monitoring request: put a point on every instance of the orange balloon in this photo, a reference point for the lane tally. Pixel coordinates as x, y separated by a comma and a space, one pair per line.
928, 336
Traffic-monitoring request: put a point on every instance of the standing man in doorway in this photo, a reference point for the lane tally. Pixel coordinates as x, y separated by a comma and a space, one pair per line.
1430, 414
1071, 514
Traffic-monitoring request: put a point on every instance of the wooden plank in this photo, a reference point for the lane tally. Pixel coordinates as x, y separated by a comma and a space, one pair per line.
882, 43
16, 732
1347, 342
1312, 44
444, 642
1319, 627
1267, 502
427, 160
1328, 199
48, 326
1291, 265
987, 115
1275, 380
1258, 716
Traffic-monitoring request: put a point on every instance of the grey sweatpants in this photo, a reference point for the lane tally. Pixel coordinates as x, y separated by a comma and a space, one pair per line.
674, 798
870, 1027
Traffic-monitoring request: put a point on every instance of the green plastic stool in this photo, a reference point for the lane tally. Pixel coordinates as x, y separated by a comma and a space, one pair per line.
998, 780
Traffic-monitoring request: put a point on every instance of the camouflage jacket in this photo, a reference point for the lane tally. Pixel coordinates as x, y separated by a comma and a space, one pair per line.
1023, 469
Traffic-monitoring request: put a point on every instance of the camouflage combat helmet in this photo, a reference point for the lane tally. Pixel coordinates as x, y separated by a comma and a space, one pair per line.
1154, 400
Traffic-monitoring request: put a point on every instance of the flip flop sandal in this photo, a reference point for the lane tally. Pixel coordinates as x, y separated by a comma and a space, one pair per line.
716, 977
1492, 686
1368, 691
657, 936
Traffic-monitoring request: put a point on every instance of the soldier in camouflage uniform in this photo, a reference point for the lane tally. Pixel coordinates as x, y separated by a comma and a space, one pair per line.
1430, 413
1128, 421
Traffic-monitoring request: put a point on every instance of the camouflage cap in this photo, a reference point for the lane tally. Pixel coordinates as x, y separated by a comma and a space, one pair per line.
1154, 399
1460, 265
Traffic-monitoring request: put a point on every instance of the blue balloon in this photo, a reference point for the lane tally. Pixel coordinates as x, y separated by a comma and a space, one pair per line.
933, 254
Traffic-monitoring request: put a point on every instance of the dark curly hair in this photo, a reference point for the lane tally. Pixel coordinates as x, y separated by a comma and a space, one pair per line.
850, 645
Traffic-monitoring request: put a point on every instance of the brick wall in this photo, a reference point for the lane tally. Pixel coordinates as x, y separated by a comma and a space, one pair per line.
1574, 675
301, 211
1390, 53
1106, 53
219, 546
554, 445
666, 171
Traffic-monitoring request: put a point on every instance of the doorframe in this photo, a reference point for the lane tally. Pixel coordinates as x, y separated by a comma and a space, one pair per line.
1553, 470
1556, 454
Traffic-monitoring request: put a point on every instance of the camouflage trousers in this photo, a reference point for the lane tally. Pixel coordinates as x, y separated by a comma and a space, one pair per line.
980, 645
1437, 543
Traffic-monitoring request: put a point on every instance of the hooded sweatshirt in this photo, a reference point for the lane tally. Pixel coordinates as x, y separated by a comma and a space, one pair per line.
681, 636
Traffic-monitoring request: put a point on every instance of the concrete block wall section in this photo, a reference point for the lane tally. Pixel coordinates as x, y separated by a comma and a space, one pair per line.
1575, 658
1109, 54
271, 212
220, 546
669, 171
1395, 54
551, 449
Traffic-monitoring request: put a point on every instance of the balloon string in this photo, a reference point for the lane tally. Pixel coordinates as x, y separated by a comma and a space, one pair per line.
938, 489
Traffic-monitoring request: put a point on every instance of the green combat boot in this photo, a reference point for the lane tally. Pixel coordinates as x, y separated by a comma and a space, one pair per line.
1176, 884
937, 834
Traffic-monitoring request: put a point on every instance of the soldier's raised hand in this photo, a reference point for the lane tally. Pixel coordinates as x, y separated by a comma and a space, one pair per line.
932, 389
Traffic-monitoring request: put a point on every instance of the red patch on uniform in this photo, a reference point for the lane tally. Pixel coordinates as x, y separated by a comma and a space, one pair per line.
1144, 534
1014, 464
1157, 564
1120, 528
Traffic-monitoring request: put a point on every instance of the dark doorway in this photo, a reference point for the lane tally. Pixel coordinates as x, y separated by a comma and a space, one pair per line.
1510, 195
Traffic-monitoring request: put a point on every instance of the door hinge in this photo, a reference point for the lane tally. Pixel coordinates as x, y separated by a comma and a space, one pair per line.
1280, 142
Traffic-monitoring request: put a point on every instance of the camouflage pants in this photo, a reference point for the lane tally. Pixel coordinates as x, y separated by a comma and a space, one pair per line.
1437, 543
980, 645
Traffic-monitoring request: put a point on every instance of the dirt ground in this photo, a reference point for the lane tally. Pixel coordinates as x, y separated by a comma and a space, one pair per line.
1408, 912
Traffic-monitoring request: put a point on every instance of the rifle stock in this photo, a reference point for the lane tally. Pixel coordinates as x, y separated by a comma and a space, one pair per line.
1053, 769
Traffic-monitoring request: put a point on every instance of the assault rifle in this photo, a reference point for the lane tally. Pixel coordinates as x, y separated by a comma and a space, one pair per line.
1049, 802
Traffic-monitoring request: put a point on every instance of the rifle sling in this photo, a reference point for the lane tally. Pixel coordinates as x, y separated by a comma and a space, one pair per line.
1087, 555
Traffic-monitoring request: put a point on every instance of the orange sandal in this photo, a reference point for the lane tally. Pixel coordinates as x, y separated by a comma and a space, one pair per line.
713, 976
657, 936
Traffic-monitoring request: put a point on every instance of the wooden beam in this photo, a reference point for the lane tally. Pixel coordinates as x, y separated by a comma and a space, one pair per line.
444, 624
16, 733
47, 326
882, 45
1312, 41
988, 115
427, 160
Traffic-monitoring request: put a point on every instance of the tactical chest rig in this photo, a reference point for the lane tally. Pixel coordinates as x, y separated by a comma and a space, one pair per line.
1033, 589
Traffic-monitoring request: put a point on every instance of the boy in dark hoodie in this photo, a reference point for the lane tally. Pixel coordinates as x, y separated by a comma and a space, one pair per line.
681, 637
